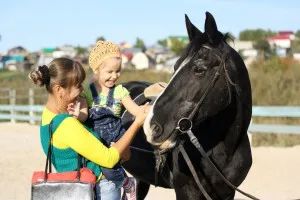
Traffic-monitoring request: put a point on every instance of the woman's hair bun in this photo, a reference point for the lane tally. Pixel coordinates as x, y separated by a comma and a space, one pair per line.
41, 76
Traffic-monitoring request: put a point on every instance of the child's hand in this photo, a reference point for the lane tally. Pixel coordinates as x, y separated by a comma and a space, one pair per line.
142, 114
147, 108
74, 109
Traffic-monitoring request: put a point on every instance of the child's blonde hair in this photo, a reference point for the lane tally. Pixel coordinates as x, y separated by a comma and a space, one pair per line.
101, 52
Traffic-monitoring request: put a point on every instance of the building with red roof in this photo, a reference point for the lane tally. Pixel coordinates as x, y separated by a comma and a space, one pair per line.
282, 40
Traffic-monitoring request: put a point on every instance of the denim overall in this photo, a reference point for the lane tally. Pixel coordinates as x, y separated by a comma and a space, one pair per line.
109, 128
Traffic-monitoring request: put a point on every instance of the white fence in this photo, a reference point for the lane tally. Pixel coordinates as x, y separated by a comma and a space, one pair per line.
275, 112
20, 104
11, 111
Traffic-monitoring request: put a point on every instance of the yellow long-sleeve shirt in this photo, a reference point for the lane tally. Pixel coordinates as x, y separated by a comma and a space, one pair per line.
69, 137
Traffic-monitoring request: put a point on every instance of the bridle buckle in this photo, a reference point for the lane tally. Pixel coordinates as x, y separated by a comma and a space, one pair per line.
184, 125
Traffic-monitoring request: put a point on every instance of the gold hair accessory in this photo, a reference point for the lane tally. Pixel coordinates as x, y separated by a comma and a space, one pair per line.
101, 52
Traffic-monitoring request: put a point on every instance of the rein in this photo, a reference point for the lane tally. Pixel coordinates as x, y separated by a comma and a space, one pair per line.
159, 160
196, 143
185, 126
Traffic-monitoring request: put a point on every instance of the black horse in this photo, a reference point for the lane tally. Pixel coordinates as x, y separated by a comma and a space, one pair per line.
210, 87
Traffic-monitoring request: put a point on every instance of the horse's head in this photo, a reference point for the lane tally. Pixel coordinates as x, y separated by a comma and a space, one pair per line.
203, 84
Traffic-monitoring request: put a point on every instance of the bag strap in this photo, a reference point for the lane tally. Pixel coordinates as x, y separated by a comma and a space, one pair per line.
48, 167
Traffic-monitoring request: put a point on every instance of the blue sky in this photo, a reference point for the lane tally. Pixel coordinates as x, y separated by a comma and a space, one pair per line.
36, 24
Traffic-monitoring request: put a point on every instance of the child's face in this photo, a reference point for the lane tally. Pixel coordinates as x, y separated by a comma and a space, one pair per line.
109, 72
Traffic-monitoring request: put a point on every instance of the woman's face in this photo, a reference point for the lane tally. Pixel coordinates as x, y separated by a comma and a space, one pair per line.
74, 93
69, 95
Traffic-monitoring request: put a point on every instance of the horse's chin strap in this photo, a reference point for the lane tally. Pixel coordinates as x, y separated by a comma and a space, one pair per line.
188, 129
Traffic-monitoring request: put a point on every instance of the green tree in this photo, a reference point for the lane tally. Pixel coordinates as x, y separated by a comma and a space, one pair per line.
295, 46
263, 48
297, 34
163, 42
100, 38
256, 35
80, 51
177, 46
140, 44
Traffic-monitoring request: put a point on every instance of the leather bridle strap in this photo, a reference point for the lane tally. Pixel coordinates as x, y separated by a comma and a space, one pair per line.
193, 171
211, 84
195, 142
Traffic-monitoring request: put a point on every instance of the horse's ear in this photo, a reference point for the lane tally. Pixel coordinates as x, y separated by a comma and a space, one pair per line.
192, 30
211, 29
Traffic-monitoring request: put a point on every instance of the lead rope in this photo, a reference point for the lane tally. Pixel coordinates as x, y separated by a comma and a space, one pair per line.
193, 171
195, 142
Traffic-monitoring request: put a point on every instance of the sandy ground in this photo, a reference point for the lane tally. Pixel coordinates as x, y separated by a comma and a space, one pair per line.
273, 176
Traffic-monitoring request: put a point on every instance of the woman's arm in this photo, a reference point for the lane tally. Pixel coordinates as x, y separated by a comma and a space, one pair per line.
126, 155
72, 134
123, 143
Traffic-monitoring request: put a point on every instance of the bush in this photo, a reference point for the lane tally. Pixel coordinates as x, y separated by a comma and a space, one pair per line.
275, 82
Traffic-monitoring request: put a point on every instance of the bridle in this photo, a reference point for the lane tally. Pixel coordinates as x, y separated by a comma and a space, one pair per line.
185, 125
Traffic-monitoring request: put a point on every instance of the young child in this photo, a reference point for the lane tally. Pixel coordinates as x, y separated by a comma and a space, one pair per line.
104, 99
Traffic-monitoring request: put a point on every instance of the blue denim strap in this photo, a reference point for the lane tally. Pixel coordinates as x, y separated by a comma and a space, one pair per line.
94, 94
110, 97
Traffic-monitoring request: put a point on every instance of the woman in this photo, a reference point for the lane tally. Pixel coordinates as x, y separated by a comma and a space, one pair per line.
62, 80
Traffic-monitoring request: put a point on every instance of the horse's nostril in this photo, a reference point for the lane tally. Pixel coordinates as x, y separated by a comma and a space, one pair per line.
156, 129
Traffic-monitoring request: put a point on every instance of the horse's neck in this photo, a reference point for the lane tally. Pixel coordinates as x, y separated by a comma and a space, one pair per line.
228, 126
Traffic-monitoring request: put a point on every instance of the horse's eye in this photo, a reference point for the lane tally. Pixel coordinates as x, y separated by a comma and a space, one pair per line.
200, 70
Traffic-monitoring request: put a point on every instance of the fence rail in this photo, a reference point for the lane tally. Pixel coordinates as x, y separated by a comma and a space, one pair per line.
275, 112
22, 105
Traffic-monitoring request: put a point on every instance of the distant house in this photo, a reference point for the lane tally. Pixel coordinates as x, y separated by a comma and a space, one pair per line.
239, 45
296, 56
245, 49
57, 52
281, 42
140, 61
132, 50
44, 60
65, 51
159, 53
19, 50
125, 45
16, 62
127, 56
16, 59
168, 66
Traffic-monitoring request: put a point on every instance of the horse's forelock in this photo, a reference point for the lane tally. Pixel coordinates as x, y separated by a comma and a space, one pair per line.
191, 48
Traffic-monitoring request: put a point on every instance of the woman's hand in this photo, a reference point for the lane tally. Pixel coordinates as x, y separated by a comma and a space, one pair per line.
142, 114
125, 156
